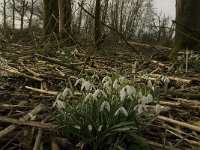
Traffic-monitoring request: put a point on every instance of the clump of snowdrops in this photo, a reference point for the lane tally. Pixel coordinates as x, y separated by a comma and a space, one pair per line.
111, 113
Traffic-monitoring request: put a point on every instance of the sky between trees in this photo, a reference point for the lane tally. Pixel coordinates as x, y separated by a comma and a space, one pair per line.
166, 6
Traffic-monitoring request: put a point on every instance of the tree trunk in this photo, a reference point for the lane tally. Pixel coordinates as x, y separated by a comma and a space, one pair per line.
97, 23
31, 14
13, 14
121, 18
24, 5
50, 17
80, 18
4, 14
64, 18
187, 22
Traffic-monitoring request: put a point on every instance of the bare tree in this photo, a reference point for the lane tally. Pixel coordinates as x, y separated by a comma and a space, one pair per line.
50, 17
97, 31
187, 22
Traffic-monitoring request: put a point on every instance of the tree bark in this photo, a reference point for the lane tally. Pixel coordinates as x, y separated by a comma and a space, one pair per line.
13, 14
64, 18
187, 22
4, 14
50, 17
97, 31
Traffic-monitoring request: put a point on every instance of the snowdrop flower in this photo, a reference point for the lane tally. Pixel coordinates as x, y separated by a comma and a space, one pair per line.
150, 98
81, 80
95, 76
165, 79
77, 127
121, 79
90, 127
122, 94
89, 96
100, 127
139, 94
107, 86
146, 99
67, 92
74, 52
121, 110
59, 104
129, 91
62, 53
105, 105
98, 93
87, 86
107, 78
158, 109
149, 84
140, 108
116, 84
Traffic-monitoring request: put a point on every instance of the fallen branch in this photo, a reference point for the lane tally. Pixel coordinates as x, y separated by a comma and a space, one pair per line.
26, 117
183, 124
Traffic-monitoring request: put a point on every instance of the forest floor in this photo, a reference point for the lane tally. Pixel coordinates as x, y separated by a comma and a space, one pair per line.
29, 90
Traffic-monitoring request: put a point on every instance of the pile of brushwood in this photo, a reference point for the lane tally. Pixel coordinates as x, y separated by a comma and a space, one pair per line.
58, 97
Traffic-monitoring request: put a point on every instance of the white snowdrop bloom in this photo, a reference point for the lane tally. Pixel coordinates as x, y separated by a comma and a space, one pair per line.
165, 79
121, 110
107, 87
105, 105
143, 100
59, 104
121, 79
123, 94
95, 76
89, 96
59, 96
79, 81
140, 108
62, 53
107, 78
67, 92
116, 84
100, 127
140, 95
131, 91
149, 83
87, 86
98, 93
150, 98
77, 127
90, 127
158, 109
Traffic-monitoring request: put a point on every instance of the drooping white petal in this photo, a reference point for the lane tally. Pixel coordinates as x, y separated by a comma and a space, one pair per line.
122, 94
105, 105
158, 109
95, 76
121, 79
96, 94
77, 127
121, 110
79, 81
89, 96
107, 86
100, 127
131, 91
149, 84
150, 98
107, 78
144, 100
116, 84
59, 104
67, 92
90, 127
59, 96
